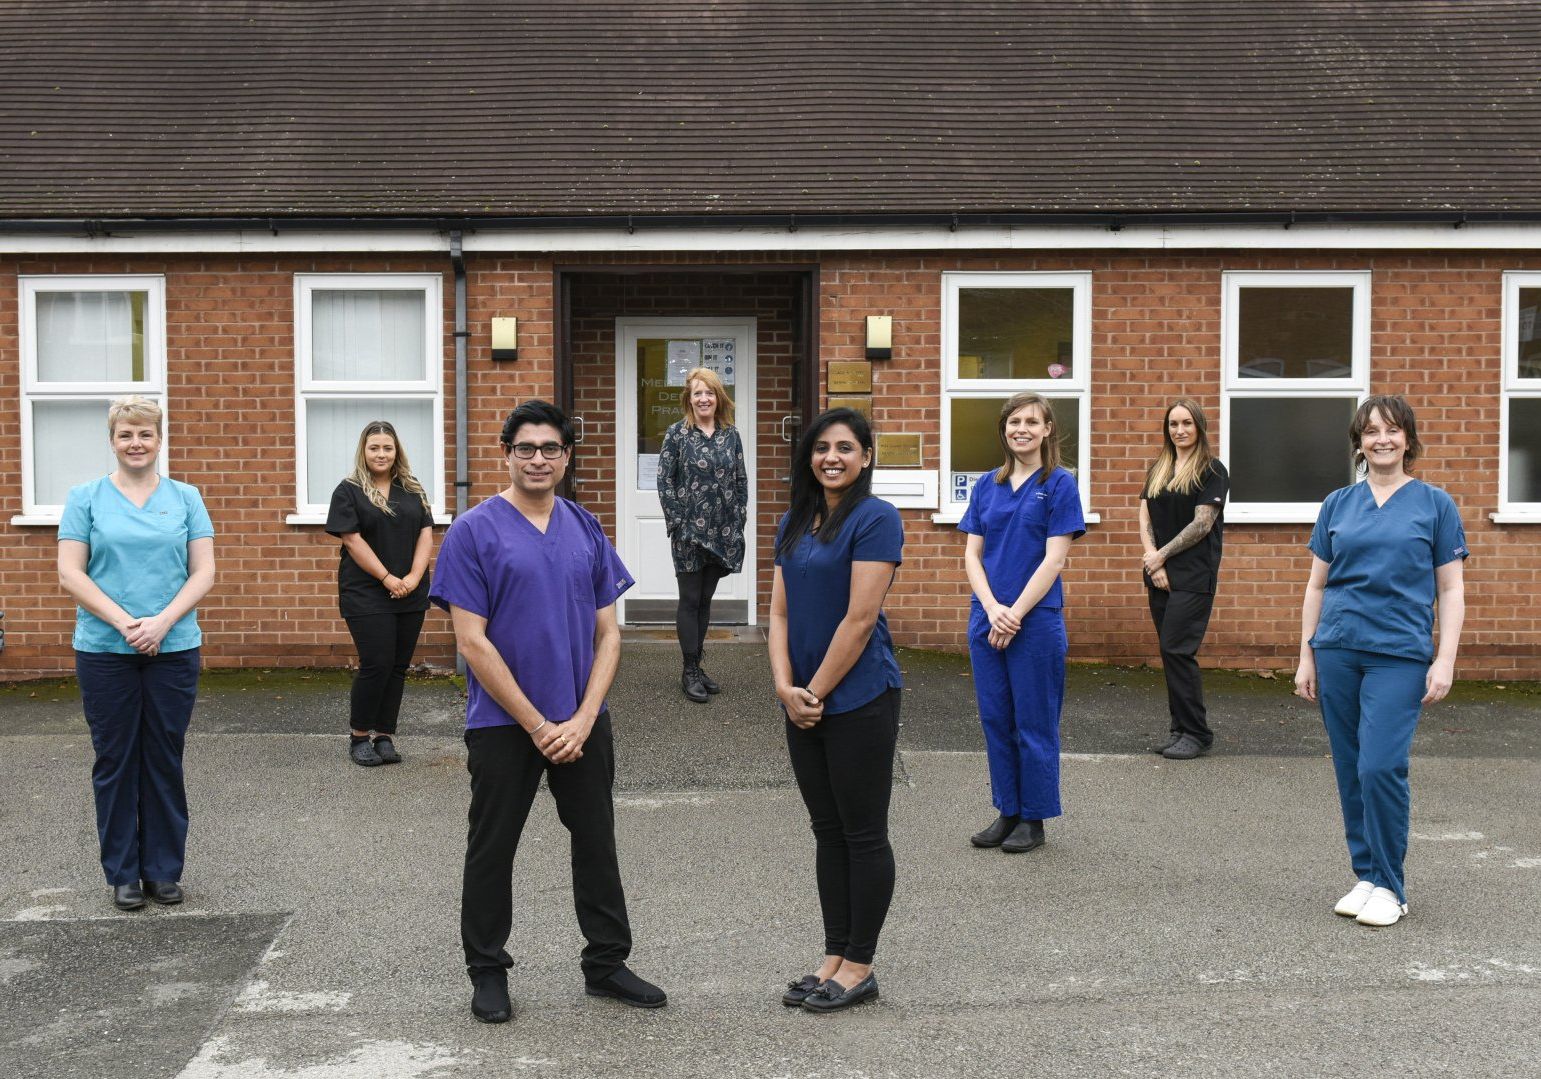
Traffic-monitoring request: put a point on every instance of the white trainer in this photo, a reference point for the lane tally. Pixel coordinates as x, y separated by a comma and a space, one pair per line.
1352, 903
1382, 908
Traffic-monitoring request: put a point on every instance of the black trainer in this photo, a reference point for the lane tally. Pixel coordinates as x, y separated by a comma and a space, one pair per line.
489, 1000
627, 988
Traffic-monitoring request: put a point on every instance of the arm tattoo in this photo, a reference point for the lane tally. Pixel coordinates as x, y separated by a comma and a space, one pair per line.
1204, 518
1150, 534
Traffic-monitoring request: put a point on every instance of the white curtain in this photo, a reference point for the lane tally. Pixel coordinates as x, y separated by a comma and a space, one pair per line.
368, 335
70, 445
332, 429
88, 337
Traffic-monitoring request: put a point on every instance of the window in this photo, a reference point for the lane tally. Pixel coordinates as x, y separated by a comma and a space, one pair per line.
1003, 334
1296, 353
1519, 467
367, 347
84, 341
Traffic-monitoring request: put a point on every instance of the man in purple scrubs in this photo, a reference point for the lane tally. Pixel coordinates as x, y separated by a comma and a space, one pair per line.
530, 582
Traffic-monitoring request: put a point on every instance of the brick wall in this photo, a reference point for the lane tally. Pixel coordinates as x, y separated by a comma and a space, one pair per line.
1436, 329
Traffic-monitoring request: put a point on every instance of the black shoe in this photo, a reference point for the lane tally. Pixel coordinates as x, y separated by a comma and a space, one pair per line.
385, 749
364, 753
127, 896
627, 988
489, 1000
167, 893
690, 682
1171, 740
706, 681
1026, 836
1185, 749
831, 997
798, 991
993, 835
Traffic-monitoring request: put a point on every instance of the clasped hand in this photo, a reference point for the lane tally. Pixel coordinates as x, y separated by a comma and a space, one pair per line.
145, 635
403, 587
802, 707
1004, 626
562, 743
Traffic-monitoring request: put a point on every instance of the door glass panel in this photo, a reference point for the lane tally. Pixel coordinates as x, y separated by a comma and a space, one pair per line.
1016, 333
1290, 449
662, 367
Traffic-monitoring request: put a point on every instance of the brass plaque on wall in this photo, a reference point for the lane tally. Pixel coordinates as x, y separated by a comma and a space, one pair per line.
898, 451
861, 404
850, 376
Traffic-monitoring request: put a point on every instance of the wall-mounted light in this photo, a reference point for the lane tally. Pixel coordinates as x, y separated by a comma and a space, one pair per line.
880, 337
505, 339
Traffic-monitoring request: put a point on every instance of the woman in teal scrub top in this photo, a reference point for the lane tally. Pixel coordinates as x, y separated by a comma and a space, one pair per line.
1386, 553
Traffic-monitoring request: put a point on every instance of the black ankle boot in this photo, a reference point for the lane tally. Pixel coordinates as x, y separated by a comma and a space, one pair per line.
1024, 837
706, 679
994, 835
690, 681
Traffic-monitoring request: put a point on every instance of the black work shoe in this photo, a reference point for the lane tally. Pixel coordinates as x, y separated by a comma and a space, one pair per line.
995, 834
798, 991
1026, 836
627, 988
364, 753
691, 685
489, 1000
1185, 749
1171, 740
706, 681
167, 893
831, 996
127, 896
385, 749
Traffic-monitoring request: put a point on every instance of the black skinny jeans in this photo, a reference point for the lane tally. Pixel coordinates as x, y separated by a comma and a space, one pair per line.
844, 766
385, 644
695, 610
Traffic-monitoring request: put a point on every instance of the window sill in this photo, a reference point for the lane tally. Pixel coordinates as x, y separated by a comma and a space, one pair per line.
1516, 517
952, 517
1272, 515
36, 520
320, 518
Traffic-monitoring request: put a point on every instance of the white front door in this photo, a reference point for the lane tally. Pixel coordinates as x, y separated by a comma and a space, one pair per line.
652, 356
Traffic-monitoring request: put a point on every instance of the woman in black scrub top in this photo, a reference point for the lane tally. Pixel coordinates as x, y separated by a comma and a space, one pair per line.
382, 516
1182, 514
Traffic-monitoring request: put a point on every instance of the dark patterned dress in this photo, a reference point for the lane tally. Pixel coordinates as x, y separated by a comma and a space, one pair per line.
705, 494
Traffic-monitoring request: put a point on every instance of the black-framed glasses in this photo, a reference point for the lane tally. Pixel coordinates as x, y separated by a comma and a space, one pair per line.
549, 450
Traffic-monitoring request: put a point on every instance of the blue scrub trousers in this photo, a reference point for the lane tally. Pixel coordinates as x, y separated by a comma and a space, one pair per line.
138, 708
1020, 692
1370, 705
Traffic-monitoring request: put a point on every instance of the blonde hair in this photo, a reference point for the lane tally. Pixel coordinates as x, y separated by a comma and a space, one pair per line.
1050, 445
1164, 475
401, 471
713, 383
133, 409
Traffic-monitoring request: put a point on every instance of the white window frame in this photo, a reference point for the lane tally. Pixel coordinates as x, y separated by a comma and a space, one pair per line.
1077, 386
311, 506
35, 390
1514, 388
1233, 387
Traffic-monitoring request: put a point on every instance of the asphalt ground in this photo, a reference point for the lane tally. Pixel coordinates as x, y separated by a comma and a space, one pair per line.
1178, 923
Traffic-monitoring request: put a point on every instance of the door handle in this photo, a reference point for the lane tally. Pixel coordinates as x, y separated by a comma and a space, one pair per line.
577, 422
797, 426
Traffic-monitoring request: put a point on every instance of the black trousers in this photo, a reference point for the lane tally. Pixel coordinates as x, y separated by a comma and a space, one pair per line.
844, 766
1181, 619
385, 644
695, 609
505, 772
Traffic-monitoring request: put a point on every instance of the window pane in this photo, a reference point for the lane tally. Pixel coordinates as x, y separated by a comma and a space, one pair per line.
1530, 333
1015, 332
976, 446
90, 336
69, 446
332, 434
1525, 449
1290, 449
368, 335
1295, 333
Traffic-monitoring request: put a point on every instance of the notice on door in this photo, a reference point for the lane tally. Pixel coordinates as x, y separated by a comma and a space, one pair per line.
684, 357
717, 357
647, 471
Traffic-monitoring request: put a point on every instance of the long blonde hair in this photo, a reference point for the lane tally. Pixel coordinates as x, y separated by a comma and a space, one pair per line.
401, 471
724, 417
1049, 448
1164, 475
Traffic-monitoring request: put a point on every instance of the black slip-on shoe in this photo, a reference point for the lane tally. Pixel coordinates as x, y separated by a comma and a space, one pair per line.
489, 1000
385, 749
127, 896
832, 997
1185, 749
627, 988
798, 991
995, 834
1171, 740
1026, 836
165, 892
361, 752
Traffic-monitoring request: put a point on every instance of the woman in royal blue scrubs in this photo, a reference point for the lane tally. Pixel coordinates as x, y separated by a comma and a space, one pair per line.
837, 551
1020, 521
1383, 551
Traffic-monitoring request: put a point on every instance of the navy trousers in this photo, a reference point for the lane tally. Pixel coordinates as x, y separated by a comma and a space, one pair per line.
1021, 690
138, 708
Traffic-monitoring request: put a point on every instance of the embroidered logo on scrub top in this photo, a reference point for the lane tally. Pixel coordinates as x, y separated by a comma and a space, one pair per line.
1460, 552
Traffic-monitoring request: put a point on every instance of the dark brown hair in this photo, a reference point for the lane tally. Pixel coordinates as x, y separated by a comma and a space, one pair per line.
1394, 410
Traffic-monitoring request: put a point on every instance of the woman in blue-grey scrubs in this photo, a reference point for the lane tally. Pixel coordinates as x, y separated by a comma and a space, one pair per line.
136, 552
1384, 550
837, 550
1020, 521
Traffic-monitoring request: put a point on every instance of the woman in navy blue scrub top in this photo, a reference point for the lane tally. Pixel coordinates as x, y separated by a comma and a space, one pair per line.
1020, 521
136, 552
837, 550
1386, 553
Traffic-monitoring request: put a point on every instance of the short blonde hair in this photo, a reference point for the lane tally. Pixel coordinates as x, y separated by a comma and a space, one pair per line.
713, 383
133, 409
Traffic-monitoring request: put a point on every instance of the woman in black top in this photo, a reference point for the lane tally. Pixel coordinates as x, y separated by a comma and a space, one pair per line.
1182, 509
704, 489
382, 516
